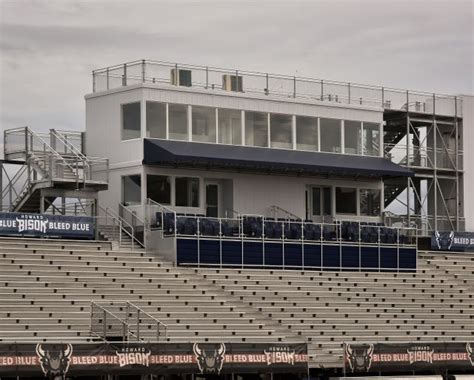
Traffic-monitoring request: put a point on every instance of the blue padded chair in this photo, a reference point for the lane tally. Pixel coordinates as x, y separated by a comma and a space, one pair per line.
168, 223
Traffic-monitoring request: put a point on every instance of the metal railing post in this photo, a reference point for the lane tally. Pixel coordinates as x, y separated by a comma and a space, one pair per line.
138, 324
143, 70
104, 320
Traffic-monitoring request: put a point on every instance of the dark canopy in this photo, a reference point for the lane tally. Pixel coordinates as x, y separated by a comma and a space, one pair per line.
243, 158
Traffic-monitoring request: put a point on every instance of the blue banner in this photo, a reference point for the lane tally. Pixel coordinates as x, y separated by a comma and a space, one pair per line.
46, 225
452, 241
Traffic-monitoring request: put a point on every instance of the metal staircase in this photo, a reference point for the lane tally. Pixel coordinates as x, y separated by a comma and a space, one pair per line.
51, 166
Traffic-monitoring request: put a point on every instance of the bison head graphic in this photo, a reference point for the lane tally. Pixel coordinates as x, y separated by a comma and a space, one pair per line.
210, 361
54, 359
444, 240
359, 357
470, 353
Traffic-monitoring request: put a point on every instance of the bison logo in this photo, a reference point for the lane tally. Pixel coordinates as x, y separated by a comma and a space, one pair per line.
360, 357
444, 240
470, 353
54, 359
209, 361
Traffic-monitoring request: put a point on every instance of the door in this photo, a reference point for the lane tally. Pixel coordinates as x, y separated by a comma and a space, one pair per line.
319, 201
212, 200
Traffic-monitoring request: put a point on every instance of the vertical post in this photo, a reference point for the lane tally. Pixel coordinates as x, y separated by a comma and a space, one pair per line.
322, 90
456, 152
143, 71
294, 87
104, 320
124, 77
93, 81
383, 97
267, 90
408, 153
207, 77
349, 93
107, 74
138, 324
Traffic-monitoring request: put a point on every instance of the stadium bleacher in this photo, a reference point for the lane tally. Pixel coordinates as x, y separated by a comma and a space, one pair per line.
48, 285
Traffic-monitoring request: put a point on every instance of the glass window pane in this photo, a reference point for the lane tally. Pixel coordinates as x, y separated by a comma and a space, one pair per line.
316, 201
280, 131
371, 139
131, 189
306, 133
187, 192
230, 126
256, 128
156, 120
346, 200
352, 131
178, 121
327, 200
370, 202
204, 124
158, 188
130, 121
330, 135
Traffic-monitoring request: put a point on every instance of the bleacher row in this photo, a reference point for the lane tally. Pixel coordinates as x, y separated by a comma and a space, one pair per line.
258, 227
47, 287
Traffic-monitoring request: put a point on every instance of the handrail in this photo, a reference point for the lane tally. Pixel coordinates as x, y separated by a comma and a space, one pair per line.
62, 139
143, 312
125, 326
121, 222
289, 214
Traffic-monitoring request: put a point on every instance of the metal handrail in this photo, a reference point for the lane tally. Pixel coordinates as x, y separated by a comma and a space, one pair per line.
122, 224
289, 214
126, 328
143, 312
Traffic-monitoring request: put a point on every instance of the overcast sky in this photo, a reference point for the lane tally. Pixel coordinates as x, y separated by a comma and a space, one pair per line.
49, 48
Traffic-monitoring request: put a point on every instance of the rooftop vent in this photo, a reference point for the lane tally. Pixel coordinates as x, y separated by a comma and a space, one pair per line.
181, 77
232, 83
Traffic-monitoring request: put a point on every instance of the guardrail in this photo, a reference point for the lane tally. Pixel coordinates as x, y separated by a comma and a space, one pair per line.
221, 79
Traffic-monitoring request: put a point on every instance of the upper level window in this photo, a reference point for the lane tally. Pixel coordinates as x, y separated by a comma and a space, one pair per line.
131, 121
256, 129
330, 130
352, 137
306, 133
204, 124
156, 120
158, 188
178, 121
371, 139
230, 126
281, 131
131, 189
187, 191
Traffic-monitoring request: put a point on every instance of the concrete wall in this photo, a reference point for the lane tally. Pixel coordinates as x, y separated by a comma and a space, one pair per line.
468, 138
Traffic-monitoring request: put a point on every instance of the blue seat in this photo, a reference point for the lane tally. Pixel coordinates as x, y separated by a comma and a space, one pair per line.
168, 223
159, 221
329, 233
190, 226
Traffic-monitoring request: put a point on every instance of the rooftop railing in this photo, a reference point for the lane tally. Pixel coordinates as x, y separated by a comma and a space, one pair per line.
274, 85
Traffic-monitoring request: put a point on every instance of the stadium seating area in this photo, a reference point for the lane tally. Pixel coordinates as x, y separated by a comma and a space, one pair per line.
47, 287
282, 228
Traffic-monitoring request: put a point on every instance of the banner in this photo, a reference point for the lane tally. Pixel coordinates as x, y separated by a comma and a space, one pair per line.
363, 358
452, 241
46, 225
61, 359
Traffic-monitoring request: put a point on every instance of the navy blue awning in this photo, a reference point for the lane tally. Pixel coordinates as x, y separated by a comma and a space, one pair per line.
278, 161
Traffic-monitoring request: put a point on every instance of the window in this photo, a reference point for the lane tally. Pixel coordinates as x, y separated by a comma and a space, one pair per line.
131, 189
178, 121
370, 202
230, 126
306, 133
346, 200
330, 130
371, 139
156, 120
158, 188
280, 131
131, 121
321, 201
256, 128
187, 192
352, 133
204, 124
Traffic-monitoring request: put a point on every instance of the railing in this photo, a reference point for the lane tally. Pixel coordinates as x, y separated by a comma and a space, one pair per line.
211, 78
124, 321
117, 227
144, 325
277, 212
138, 225
154, 212
424, 224
424, 157
70, 142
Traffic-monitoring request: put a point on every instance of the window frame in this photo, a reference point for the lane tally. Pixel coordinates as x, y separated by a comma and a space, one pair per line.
122, 120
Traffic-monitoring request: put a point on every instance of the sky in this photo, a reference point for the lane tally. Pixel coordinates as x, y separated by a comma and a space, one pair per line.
48, 48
